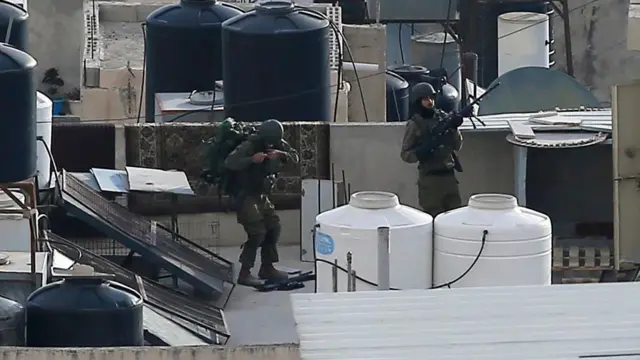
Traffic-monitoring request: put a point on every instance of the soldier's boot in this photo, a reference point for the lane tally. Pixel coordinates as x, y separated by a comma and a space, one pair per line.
270, 273
245, 277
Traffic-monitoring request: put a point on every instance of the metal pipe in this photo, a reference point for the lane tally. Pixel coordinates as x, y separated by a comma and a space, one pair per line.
334, 275
383, 258
349, 264
354, 279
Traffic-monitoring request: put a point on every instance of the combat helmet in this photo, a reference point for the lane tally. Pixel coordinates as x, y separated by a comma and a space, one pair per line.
422, 90
271, 131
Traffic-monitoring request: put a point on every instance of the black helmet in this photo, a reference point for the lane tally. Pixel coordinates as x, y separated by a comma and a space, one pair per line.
271, 131
422, 90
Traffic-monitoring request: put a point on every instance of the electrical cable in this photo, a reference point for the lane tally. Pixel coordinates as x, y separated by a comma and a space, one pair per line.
124, 119
445, 285
143, 26
400, 41
446, 33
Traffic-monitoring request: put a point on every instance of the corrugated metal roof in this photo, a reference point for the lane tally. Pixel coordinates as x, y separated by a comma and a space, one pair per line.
512, 323
592, 119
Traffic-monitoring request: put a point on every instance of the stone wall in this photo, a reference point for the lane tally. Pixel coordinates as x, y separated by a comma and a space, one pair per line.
179, 146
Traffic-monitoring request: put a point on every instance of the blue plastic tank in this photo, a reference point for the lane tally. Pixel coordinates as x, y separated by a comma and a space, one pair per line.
276, 64
18, 17
11, 323
183, 48
397, 97
84, 312
18, 122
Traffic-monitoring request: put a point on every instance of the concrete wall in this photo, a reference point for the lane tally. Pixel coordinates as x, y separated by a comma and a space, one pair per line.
599, 39
370, 156
56, 40
271, 352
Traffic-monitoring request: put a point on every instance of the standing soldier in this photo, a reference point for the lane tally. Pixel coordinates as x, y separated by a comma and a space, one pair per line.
256, 161
437, 184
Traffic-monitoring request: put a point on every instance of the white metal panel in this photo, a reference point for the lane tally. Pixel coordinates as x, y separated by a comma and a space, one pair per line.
510, 323
596, 119
316, 198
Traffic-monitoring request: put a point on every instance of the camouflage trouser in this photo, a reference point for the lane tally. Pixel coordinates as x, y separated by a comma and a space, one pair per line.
262, 225
438, 193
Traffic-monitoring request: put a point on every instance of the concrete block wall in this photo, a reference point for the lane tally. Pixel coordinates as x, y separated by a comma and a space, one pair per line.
267, 352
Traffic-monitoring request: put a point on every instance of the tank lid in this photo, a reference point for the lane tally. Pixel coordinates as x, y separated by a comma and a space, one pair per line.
435, 38
396, 80
409, 69
493, 201
523, 17
275, 7
4, 259
374, 200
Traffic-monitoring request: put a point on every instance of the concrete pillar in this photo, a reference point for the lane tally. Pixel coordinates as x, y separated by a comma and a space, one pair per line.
368, 45
626, 167
56, 40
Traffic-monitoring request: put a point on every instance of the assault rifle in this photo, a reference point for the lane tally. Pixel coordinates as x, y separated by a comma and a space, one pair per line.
436, 138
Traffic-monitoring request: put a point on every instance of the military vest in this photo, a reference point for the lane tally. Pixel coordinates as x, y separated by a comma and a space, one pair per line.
442, 159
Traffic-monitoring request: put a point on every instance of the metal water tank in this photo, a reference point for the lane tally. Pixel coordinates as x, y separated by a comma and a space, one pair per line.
183, 48
397, 98
16, 18
516, 249
438, 50
18, 122
276, 64
11, 323
481, 32
353, 227
84, 311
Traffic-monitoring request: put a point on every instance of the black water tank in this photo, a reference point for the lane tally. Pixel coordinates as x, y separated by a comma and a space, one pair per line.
18, 122
11, 323
479, 28
397, 97
413, 74
184, 52
276, 64
84, 312
18, 18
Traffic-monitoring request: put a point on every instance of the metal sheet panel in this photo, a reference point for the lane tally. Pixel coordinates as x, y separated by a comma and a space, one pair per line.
492, 323
158, 181
109, 180
591, 119
626, 169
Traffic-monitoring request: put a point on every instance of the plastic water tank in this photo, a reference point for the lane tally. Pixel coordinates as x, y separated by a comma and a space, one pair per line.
14, 227
517, 248
516, 29
397, 97
413, 74
276, 64
84, 311
18, 17
44, 114
18, 122
353, 227
438, 50
11, 323
183, 49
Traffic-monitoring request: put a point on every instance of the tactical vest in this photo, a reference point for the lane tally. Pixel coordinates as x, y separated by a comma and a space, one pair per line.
442, 159
257, 179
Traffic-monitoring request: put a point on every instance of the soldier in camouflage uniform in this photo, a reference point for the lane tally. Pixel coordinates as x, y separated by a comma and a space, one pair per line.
256, 160
437, 184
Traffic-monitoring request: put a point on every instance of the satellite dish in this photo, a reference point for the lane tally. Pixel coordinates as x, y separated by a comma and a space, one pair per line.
533, 89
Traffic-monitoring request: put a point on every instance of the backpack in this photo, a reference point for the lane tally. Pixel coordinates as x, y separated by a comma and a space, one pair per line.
229, 135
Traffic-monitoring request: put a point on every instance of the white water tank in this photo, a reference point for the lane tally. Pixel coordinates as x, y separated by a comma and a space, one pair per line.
15, 231
43, 128
517, 248
523, 40
353, 228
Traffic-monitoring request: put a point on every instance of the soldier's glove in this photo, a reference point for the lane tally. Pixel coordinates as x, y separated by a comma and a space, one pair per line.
456, 120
